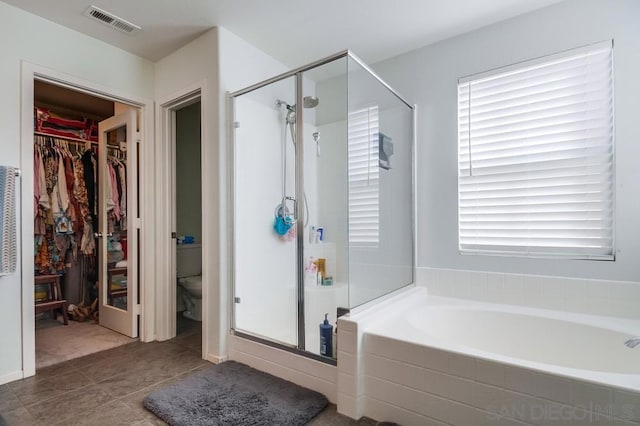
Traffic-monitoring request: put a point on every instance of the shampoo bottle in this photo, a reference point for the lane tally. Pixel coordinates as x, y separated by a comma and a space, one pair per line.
326, 338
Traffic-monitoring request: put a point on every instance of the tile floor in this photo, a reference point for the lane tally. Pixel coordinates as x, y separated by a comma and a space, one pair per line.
107, 388
56, 342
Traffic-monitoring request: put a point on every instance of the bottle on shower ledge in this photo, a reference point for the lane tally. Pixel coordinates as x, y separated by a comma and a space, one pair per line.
311, 270
312, 235
321, 264
326, 338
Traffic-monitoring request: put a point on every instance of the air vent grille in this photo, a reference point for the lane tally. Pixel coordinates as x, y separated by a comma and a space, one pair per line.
101, 16
111, 20
123, 26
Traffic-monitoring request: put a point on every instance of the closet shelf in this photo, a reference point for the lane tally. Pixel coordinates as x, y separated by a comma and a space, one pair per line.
64, 138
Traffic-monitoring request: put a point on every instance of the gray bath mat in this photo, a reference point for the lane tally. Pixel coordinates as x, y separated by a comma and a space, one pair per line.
234, 394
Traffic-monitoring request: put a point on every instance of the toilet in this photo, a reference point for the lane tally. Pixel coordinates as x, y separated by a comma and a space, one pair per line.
189, 270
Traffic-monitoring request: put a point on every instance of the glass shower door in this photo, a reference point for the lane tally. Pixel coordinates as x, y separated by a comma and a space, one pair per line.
264, 231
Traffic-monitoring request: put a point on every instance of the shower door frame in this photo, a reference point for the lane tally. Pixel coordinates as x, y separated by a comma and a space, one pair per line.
299, 172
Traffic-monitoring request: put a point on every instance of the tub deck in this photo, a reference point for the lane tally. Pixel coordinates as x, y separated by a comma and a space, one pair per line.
429, 360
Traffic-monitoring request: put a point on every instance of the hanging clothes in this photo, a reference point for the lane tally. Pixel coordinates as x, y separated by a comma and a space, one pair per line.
56, 218
90, 181
83, 184
122, 173
73, 203
65, 201
108, 189
80, 190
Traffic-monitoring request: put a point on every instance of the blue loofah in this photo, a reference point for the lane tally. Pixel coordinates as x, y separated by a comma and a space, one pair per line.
282, 224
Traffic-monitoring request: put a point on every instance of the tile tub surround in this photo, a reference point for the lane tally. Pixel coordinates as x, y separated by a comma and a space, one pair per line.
383, 377
351, 332
418, 385
596, 297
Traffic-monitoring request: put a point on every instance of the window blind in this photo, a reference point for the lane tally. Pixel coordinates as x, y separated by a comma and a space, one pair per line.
535, 158
363, 177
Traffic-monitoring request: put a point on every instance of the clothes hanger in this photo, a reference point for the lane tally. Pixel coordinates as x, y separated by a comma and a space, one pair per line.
66, 149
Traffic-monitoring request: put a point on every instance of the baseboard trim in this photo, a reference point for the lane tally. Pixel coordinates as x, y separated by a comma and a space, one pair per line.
216, 359
11, 377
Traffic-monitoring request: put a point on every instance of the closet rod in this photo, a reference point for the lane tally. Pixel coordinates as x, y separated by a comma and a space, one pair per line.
64, 138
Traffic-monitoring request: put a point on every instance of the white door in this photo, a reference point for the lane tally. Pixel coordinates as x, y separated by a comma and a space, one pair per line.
118, 223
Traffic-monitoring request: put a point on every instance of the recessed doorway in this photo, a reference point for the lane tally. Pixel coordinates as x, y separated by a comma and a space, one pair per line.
187, 196
85, 150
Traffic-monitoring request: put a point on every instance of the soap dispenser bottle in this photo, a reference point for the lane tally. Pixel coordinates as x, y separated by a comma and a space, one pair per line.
326, 338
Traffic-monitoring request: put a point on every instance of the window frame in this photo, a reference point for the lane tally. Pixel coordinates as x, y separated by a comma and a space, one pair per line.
563, 251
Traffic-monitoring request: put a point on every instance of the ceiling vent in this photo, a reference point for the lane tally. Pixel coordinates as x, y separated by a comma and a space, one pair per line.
111, 20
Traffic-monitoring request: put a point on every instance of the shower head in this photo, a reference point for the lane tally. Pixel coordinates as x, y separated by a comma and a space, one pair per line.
310, 101
307, 102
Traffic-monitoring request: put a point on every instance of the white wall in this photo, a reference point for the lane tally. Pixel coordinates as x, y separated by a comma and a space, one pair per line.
188, 173
221, 62
429, 76
195, 66
38, 41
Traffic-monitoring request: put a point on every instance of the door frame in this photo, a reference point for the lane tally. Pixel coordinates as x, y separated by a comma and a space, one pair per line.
29, 73
165, 189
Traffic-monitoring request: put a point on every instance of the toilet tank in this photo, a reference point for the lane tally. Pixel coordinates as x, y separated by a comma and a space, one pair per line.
188, 260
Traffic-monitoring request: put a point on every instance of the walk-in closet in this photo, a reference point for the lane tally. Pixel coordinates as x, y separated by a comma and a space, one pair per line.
86, 225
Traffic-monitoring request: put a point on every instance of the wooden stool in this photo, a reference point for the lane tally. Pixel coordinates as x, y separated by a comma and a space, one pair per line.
53, 301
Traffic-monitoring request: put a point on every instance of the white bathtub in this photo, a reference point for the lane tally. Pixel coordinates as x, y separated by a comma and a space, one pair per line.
428, 359
580, 346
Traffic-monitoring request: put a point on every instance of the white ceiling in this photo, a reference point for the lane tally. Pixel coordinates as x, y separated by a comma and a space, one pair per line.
293, 31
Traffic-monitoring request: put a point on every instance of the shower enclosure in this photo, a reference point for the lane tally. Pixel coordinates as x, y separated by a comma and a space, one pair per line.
322, 200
